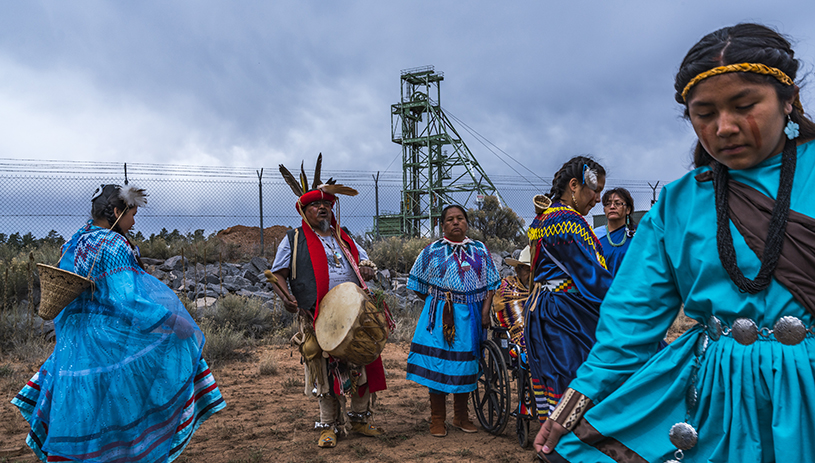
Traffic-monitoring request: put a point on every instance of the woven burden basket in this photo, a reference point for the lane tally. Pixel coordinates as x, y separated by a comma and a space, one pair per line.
541, 203
58, 288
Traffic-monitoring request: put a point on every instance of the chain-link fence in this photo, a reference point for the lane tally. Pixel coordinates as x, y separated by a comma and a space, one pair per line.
40, 196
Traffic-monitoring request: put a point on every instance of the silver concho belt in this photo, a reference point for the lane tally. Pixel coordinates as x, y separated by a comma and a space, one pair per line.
788, 330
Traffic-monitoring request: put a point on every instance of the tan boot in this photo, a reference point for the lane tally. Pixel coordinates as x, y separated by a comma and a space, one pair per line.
461, 415
438, 413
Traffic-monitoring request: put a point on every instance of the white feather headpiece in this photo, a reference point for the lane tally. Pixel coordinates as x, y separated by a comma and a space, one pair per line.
589, 177
132, 196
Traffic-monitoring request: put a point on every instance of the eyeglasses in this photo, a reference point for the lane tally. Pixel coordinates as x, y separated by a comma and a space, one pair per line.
317, 204
617, 204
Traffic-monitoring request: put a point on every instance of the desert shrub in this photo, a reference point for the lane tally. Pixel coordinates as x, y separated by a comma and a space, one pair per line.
268, 365
496, 221
405, 327
195, 246
223, 342
245, 315
20, 329
18, 270
494, 243
396, 253
283, 334
32, 349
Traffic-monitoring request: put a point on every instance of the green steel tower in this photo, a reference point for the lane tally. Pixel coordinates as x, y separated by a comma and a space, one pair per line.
437, 166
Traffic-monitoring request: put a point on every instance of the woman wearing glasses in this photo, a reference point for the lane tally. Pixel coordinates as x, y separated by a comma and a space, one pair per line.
618, 206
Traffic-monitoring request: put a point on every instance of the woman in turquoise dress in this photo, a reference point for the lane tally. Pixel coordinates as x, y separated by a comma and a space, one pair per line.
732, 240
570, 281
618, 205
457, 278
126, 381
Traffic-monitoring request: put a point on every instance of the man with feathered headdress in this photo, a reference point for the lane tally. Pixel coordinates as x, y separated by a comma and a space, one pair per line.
314, 258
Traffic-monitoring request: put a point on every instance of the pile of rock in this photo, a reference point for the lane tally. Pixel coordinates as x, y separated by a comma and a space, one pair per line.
205, 283
201, 282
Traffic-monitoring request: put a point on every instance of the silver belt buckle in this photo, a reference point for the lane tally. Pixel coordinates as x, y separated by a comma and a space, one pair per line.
789, 330
744, 331
714, 328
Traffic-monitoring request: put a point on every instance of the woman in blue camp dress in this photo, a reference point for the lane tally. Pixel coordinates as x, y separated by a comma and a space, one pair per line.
457, 278
618, 205
733, 241
570, 281
126, 381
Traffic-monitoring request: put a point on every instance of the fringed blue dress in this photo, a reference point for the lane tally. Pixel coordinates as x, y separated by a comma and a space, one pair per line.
562, 310
753, 402
126, 381
462, 273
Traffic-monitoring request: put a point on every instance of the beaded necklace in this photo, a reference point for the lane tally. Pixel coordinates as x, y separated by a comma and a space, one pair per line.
622, 241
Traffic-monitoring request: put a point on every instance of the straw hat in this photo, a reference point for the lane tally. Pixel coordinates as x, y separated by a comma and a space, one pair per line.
58, 288
524, 259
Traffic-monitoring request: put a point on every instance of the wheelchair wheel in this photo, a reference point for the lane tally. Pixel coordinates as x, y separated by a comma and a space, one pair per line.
491, 398
526, 403
522, 428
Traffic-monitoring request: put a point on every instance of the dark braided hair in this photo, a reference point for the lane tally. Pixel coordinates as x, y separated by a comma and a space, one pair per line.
102, 206
573, 168
748, 43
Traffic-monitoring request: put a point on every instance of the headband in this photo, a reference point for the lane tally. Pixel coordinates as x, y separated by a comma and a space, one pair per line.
756, 68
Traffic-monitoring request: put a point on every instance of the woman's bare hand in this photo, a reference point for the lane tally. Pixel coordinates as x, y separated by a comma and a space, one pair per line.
548, 437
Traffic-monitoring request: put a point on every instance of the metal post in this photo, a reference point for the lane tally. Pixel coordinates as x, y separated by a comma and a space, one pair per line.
260, 194
653, 192
125, 173
376, 189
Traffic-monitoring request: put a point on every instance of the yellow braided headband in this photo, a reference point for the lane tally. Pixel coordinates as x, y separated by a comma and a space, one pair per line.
742, 67
757, 68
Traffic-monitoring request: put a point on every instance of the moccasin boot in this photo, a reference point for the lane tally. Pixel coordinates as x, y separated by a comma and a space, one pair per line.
438, 413
366, 429
461, 415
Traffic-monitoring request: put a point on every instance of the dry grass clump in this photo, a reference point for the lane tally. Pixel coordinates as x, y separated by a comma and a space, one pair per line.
223, 342
395, 253
405, 327
245, 315
268, 365
195, 248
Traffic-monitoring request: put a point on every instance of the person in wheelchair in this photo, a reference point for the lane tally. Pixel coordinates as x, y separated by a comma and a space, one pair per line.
510, 298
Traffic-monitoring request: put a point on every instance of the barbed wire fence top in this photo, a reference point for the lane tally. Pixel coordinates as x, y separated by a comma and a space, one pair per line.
40, 196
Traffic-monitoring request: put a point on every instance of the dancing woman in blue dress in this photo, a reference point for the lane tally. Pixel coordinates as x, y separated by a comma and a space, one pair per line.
126, 381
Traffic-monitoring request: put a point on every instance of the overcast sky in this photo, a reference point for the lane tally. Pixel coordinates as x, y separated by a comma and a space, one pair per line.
255, 84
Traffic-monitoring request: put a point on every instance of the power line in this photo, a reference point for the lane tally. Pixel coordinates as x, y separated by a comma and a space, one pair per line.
480, 138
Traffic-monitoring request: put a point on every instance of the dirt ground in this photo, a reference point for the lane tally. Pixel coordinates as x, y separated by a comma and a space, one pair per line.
268, 419
247, 239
